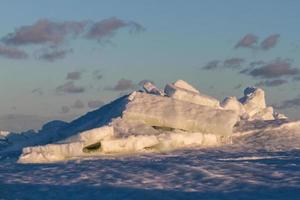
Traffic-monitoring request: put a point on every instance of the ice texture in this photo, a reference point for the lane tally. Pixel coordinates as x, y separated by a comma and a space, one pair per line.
168, 112
190, 96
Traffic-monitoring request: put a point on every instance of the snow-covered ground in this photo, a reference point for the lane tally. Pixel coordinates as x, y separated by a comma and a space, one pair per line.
218, 173
176, 144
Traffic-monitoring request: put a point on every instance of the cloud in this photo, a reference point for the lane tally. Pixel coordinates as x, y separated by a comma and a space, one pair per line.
211, 65
272, 83
44, 31
51, 34
274, 69
238, 86
95, 104
97, 75
37, 91
106, 28
74, 75
54, 54
123, 85
65, 109
247, 41
297, 78
233, 62
228, 63
290, 103
78, 104
257, 63
70, 88
269, 42
12, 53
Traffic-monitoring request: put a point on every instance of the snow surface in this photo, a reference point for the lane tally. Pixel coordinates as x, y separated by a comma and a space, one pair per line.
124, 151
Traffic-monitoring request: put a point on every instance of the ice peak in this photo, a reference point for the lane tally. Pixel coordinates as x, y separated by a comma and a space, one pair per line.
184, 85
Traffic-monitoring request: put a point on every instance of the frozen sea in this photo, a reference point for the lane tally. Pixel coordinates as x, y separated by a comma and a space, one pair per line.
217, 173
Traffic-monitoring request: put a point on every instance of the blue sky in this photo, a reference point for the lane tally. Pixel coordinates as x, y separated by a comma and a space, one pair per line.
157, 40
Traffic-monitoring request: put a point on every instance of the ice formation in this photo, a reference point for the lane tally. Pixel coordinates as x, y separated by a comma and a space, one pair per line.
150, 121
3, 134
185, 93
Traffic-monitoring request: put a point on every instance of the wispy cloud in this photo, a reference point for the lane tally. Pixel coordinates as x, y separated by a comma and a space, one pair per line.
269, 42
97, 75
272, 83
95, 104
247, 41
54, 54
297, 78
76, 75
78, 104
65, 109
233, 62
123, 85
48, 33
238, 86
45, 31
12, 53
290, 103
107, 28
69, 87
256, 63
37, 91
230, 63
275, 69
211, 65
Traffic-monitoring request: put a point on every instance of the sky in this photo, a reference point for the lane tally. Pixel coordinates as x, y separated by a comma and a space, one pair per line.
61, 59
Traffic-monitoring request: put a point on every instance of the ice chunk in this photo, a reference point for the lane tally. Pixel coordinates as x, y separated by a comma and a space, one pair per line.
129, 144
152, 89
71, 147
3, 134
279, 116
168, 112
255, 104
184, 85
253, 100
161, 142
183, 139
51, 152
91, 136
232, 103
264, 114
189, 96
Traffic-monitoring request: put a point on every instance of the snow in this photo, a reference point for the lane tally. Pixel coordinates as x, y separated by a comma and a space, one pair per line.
146, 145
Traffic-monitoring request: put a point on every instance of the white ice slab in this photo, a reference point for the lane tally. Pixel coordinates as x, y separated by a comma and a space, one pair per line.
189, 96
168, 112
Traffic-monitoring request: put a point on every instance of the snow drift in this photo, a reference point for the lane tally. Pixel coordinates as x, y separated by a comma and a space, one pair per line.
153, 121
